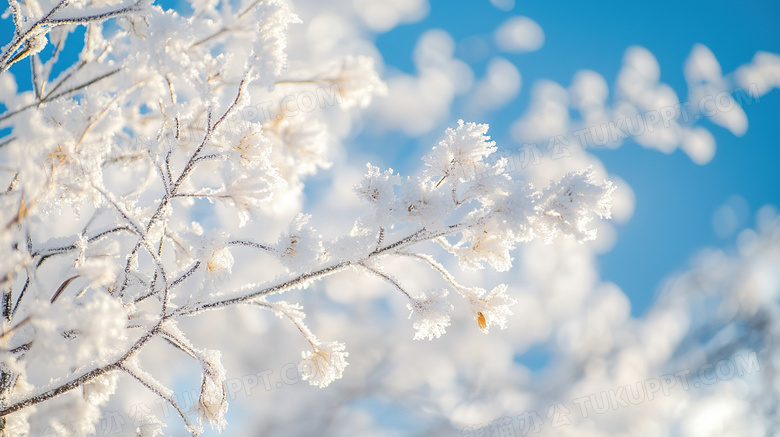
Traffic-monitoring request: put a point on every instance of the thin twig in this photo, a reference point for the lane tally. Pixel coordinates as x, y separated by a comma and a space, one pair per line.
389, 279
64, 93
251, 244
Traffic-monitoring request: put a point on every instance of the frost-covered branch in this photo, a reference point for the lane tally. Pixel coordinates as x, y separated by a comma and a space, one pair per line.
108, 167
33, 40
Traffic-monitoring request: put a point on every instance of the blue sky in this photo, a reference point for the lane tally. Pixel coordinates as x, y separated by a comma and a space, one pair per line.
675, 198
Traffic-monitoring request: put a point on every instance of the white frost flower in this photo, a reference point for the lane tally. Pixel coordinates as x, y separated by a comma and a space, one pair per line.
269, 56
103, 326
300, 248
376, 188
96, 327
36, 43
247, 192
459, 156
100, 389
252, 149
358, 82
300, 145
566, 206
492, 309
433, 315
220, 262
216, 256
488, 244
324, 364
421, 202
212, 403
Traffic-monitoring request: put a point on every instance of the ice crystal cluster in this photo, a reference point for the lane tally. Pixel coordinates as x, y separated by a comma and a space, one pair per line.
108, 164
